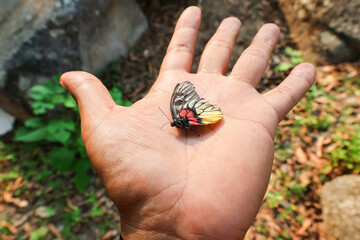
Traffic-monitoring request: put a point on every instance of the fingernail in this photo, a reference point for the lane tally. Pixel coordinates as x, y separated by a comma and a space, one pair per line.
268, 33
307, 70
230, 24
192, 13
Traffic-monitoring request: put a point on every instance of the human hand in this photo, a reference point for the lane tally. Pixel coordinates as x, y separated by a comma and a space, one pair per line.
173, 183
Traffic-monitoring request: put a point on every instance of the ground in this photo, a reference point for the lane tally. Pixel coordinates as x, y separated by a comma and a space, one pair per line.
314, 143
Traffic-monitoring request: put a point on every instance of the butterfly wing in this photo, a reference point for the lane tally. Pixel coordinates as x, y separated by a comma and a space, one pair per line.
186, 102
183, 93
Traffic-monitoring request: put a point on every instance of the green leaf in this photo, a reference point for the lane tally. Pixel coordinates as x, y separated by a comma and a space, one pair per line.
60, 130
69, 102
91, 198
9, 176
127, 103
62, 159
57, 125
39, 233
117, 96
297, 60
54, 184
50, 211
41, 90
292, 53
83, 165
82, 180
41, 107
31, 136
95, 212
60, 136
34, 123
284, 66
57, 99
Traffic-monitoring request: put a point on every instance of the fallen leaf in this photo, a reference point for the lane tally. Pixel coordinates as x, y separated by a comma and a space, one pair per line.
27, 227
286, 122
322, 100
10, 227
23, 219
319, 146
17, 184
7, 197
305, 178
300, 155
44, 212
328, 69
306, 224
332, 147
69, 203
6, 237
110, 234
54, 231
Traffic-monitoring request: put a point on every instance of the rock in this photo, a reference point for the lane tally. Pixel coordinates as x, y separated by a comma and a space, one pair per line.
327, 31
341, 207
43, 38
6, 122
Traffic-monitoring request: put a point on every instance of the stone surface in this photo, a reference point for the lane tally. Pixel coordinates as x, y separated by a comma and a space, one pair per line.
328, 31
6, 122
341, 207
43, 38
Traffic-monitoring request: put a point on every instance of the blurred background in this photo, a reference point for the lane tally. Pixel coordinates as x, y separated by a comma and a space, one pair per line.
48, 189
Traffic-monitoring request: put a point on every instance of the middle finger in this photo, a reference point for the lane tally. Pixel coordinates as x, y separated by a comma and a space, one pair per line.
217, 53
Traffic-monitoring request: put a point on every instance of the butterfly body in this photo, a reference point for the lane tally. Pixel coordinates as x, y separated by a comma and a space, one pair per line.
188, 109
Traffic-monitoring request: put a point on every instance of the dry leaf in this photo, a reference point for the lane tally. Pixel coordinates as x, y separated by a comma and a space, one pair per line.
300, 155
110, 234
54, 231
43, 212
327, 69
6, 237
10, 227
319, 146
286, 122
17, 184
16, 201
69, 203
305, 178
306, 224
332, 147
27, 227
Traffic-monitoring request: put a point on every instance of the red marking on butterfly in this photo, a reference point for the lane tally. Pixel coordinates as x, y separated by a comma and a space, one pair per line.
188, 109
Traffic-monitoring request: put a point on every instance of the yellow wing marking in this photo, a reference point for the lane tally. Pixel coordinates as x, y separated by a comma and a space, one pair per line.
208, 113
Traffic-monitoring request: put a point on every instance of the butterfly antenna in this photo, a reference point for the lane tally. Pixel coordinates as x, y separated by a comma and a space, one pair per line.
164, 114
164, 125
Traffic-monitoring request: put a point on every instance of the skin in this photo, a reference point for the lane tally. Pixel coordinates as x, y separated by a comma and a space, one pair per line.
203, 183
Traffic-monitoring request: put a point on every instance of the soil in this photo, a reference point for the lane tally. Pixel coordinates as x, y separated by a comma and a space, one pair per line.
136, 73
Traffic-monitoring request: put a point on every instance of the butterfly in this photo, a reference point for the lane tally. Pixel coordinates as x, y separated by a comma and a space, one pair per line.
188, 109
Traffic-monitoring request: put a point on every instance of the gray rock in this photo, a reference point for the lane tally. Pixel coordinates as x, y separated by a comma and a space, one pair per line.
6, 122
326, 30
341, 207
342, 17
43, 38
335, 50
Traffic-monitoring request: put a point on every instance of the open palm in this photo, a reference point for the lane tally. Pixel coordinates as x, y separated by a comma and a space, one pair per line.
204, 183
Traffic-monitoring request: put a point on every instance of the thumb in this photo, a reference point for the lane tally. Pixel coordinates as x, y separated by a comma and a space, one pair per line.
92, 97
